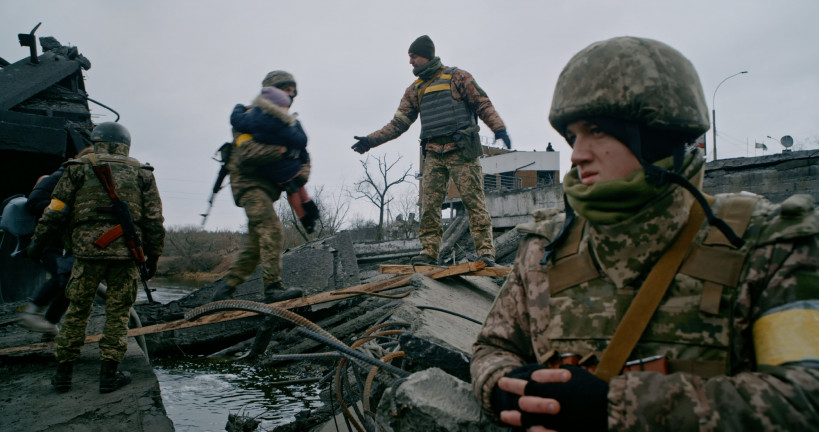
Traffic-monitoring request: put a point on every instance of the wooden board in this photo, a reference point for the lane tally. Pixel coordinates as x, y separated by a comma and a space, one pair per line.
324, 297
408, 269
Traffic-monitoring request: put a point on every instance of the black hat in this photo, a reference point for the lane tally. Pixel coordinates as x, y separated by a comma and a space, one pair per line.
423, 47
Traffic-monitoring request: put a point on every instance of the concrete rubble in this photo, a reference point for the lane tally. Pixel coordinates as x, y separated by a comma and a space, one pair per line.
433, 321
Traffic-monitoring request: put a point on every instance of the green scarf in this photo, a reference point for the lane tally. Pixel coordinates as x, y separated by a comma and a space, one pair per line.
428, 70
613, 201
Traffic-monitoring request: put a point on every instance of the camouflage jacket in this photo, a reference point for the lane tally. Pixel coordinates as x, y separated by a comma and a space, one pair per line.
464, 88
763, 332
245, 160
79, 193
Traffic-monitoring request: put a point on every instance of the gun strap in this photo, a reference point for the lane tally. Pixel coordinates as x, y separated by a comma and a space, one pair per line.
648, 298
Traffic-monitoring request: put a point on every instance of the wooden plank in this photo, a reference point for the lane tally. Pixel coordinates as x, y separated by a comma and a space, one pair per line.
324, 297
408, 269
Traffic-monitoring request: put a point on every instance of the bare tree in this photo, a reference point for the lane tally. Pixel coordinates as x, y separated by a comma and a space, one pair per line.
332, 212
375, 188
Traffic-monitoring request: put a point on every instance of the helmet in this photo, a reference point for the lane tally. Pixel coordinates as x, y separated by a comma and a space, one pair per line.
278, 78
111, 132
636, 80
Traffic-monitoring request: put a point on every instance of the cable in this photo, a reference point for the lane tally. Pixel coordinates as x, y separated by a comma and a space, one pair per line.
450, 312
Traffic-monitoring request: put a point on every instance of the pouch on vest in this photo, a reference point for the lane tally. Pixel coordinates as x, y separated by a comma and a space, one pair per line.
469, 142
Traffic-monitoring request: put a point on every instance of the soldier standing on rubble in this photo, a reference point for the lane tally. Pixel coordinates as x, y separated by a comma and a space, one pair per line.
448, 100
738, 321
265, 241
76, 205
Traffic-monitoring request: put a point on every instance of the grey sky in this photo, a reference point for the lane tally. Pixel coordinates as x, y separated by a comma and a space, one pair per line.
174, 70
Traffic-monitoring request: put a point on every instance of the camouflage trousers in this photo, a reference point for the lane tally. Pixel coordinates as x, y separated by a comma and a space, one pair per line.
264, 241
121, 277
468, 178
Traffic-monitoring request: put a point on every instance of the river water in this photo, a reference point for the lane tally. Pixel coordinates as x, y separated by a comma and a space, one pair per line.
199, 393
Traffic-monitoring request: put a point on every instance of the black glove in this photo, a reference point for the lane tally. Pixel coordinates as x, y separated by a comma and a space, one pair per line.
363, 145
502, 135
150, 265
583, 400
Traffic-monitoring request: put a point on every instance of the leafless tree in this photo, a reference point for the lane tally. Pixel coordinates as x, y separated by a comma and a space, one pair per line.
333, 210
375, 188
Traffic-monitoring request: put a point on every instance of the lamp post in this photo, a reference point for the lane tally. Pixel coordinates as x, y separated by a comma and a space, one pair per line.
714, 110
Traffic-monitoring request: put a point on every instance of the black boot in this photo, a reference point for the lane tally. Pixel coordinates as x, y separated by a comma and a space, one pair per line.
310, 217
62, 379
225, 292
110, 378
275, 292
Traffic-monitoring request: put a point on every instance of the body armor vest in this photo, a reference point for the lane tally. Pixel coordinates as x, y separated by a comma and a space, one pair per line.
441, 114
89, 220
691, 326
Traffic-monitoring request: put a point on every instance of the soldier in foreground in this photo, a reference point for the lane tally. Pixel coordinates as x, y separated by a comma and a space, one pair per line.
449, 102
641, 309
81, 204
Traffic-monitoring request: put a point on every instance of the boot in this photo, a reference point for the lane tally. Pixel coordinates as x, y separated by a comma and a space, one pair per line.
423, 259
275, 292
225, 292
308, 221
61, 381
110, 378
489, 260
31, 318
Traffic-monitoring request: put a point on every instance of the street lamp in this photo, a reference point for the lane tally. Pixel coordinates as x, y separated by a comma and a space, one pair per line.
714, 109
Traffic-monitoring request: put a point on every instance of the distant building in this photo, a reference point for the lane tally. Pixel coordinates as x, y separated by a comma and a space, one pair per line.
506, 173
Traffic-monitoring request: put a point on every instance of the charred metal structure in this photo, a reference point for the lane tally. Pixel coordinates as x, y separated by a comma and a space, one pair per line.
44, 120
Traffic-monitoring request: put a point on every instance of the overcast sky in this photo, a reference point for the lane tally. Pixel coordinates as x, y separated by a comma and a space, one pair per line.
174, 70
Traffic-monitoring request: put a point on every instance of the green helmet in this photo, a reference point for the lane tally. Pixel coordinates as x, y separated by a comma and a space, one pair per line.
279, 79
111, 132
637, 80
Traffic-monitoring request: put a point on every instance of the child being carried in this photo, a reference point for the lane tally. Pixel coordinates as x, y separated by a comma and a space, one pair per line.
269, 122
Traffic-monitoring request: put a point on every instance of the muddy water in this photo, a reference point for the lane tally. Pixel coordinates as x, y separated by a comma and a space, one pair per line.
199, 393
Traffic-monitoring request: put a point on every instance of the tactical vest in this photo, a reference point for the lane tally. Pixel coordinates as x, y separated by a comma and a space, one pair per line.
691, 326
441, 114
88, 221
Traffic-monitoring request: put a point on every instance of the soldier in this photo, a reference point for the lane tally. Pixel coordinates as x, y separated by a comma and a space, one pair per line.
78, 204
448, 100
726, 310
256, 195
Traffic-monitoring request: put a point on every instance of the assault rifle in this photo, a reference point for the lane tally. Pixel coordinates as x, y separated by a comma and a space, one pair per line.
224, 152
125, 228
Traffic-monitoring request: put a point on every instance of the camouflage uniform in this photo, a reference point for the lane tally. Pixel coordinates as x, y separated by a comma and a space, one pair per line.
74, 204
256, 195
461, 165
768, 364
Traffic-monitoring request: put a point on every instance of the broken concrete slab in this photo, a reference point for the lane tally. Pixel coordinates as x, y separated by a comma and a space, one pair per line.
324, 265
432, 401
31, 404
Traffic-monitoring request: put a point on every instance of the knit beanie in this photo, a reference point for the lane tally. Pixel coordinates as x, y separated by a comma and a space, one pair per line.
278, 78
277, 96
423, 47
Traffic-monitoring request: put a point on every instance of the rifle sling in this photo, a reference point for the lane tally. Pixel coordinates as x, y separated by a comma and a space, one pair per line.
647, 300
